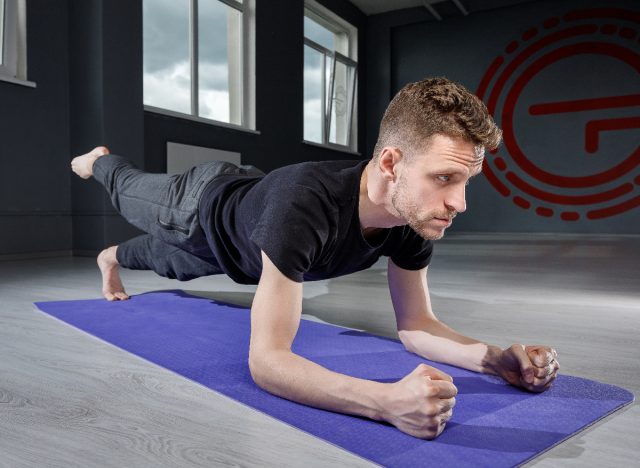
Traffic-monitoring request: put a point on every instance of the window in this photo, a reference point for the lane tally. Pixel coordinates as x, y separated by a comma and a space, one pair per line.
330, 78
198, 57
13, 51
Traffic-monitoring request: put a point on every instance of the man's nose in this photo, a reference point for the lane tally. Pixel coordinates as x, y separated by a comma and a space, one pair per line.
456, 201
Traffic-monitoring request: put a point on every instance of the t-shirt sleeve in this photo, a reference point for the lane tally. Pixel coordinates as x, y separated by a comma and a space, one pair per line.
410, 251
293, 229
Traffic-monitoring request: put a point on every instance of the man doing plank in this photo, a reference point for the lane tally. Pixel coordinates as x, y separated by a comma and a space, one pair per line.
318, 220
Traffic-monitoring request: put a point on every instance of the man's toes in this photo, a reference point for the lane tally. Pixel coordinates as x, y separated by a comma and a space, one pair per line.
116, 296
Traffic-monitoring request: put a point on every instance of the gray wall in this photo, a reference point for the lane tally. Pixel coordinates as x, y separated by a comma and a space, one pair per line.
105, 83
408, 46
35, 197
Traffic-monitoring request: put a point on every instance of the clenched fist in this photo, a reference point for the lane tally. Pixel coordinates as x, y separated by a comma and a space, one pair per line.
421, 403
531, 367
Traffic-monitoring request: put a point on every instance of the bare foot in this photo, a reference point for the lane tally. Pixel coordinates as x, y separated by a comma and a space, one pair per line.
83, 165
112, 288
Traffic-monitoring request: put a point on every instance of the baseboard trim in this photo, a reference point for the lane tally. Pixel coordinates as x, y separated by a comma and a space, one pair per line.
33, 255
86, 253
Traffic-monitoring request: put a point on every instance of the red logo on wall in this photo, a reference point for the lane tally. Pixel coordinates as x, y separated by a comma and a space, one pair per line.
596, 135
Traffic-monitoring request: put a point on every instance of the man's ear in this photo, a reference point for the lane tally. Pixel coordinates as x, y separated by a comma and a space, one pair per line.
390, 157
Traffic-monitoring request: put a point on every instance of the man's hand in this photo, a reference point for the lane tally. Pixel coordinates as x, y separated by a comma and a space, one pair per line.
421, 403
531, 367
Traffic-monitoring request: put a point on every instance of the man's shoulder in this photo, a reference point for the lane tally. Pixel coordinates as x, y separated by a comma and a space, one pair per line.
331, 177
318, 168
315, 186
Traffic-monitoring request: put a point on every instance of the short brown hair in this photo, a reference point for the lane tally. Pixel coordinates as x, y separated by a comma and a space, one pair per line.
435, 106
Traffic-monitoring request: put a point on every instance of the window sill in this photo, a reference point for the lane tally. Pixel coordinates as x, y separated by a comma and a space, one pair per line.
342, 149
17, 81
193, 118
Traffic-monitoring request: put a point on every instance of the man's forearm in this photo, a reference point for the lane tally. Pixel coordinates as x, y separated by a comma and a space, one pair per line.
293, 377
440, 343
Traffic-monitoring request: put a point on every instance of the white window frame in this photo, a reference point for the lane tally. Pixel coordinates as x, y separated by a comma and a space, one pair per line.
347, 53
241, 88
13, 67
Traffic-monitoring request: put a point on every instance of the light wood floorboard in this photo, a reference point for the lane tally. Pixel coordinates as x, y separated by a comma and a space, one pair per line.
68, 399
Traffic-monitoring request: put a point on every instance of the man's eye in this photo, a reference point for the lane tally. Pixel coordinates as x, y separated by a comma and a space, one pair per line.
444, 178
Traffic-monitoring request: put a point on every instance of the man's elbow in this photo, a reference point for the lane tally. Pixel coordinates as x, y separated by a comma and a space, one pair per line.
411, 337
257, 370
406, 338
262, 366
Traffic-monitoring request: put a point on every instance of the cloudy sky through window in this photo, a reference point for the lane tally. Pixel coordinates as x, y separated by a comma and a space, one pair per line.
167, 71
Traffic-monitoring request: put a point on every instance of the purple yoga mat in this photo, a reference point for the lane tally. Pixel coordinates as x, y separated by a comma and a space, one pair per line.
493, 424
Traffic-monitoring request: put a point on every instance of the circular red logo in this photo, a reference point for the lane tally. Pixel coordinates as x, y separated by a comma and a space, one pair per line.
603, 182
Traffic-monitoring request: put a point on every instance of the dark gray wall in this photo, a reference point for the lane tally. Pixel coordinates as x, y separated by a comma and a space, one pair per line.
408, 46
34, 141
105, 74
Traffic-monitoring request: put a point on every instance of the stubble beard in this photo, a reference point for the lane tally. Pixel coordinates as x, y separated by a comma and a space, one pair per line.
409, 211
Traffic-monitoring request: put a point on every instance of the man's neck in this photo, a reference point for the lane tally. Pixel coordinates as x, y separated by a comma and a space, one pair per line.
373, 217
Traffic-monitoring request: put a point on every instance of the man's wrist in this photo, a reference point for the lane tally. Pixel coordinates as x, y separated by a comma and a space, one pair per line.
378, 411
491, 360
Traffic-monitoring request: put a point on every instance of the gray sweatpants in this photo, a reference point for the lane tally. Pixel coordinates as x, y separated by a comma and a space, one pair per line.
166, 208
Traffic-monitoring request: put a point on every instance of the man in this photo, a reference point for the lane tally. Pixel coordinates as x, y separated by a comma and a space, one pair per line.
320, 220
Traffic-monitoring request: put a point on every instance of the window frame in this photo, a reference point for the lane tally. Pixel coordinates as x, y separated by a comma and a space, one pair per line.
243, 100
2, 40
347, 44
13, 66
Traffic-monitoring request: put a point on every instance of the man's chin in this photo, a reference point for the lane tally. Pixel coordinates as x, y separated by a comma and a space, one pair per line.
430, 233
437, 236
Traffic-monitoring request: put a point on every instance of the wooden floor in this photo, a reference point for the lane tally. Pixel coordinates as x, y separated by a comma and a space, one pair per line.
70, 400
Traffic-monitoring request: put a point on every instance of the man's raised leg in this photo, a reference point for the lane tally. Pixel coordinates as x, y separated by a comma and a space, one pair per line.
165, 206
138, 196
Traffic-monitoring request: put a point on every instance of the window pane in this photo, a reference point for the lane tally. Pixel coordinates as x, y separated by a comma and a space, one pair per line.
313, 94
330, 74
341, 111
167, 71
319, 34
220, 61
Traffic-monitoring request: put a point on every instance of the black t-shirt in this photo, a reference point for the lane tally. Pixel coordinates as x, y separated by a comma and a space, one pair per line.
305, 218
